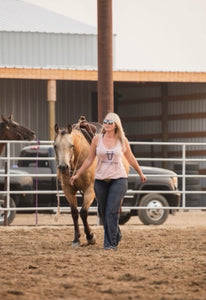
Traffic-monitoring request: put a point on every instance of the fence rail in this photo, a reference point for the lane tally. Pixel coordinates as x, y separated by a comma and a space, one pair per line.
183, 176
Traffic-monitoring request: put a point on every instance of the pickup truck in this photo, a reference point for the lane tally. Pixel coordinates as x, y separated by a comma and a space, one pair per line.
19, 181
155, 214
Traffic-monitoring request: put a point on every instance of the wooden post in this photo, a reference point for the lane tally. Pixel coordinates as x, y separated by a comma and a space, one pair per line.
51, 98
105, 61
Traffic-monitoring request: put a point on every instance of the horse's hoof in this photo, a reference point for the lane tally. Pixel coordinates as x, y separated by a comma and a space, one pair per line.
92, 240
75, 244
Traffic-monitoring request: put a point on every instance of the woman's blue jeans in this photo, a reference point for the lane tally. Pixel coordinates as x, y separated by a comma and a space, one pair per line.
109, 195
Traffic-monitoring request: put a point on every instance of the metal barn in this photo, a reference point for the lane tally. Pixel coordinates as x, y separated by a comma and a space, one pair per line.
52, 64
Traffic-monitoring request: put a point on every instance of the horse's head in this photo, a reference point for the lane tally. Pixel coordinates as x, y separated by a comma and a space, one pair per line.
11, 130
64, 148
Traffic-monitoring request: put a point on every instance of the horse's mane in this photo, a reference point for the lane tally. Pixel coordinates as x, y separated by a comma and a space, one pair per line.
88, 129
1, 130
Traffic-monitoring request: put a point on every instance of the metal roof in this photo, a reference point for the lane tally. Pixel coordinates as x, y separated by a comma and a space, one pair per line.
19, 16
157, 36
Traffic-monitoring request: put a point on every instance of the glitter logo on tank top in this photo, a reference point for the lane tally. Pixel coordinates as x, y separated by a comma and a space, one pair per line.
110, 155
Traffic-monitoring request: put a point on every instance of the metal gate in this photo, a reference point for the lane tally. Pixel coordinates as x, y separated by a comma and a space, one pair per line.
186, 189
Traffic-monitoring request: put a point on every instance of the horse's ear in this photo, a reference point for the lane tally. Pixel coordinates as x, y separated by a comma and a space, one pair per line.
10, 117
69, 127
56, 128
3, 118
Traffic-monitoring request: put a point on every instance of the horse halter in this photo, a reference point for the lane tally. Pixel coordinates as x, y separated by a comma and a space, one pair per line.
72, 167
73, 171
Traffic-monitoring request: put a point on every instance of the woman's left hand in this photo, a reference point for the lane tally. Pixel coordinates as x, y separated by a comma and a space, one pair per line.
143, 178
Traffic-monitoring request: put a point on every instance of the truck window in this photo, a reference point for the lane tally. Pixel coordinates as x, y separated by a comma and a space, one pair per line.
33, 163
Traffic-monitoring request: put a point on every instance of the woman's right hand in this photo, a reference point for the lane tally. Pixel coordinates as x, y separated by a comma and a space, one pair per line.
74, 177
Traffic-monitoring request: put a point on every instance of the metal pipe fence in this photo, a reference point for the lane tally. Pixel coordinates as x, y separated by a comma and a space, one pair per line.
183, 160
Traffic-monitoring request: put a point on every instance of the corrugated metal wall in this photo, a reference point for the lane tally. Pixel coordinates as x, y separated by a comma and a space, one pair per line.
187, 106
34, 49
74, 100
139, 101
140, 106
27, 101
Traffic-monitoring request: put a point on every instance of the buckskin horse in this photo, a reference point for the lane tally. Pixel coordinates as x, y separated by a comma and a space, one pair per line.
72, 146
11, 130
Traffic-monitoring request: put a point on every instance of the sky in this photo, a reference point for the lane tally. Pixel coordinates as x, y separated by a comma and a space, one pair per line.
162, 35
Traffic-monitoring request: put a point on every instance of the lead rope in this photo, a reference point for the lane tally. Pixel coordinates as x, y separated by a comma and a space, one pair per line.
36, 183
56, 217
75, 168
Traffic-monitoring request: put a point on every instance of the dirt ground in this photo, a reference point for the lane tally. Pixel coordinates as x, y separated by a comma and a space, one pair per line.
153, 262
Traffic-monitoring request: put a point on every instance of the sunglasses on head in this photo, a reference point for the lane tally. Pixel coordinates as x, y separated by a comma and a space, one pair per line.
110, 122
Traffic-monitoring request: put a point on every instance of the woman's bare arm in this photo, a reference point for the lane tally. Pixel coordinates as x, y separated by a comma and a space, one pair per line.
132, 161
88, 161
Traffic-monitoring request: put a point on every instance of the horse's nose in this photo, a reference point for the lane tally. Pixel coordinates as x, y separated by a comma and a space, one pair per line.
63, 168
31, 135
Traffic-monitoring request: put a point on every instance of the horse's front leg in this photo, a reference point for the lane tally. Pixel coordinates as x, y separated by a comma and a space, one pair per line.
88, 198
70, 194
75, 217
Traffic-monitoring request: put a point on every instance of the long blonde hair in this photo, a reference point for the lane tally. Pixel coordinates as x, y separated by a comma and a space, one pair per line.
119, 132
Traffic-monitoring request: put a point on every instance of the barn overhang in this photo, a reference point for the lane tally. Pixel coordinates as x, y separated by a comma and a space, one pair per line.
92, 75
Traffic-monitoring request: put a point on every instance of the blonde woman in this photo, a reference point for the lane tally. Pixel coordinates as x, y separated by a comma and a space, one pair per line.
111, 147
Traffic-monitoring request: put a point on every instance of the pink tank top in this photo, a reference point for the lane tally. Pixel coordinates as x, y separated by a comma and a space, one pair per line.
109, 161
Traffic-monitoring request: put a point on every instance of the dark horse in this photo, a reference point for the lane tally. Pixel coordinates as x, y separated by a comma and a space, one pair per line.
72, 148
11, 130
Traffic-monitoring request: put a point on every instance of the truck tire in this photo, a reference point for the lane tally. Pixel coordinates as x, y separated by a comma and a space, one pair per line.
124, 217
10, 214
154, 214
